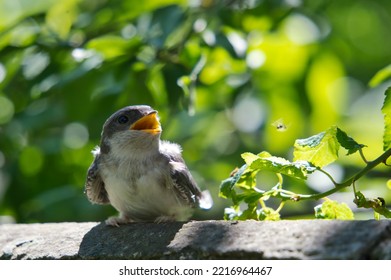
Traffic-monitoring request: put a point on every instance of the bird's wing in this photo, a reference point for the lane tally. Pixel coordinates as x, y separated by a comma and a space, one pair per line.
95, 187
184, 184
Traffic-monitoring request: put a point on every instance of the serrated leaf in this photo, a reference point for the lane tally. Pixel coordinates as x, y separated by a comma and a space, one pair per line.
333, 210
348, 142
386, 110
380, 76
249, 158
265, 161
320, 150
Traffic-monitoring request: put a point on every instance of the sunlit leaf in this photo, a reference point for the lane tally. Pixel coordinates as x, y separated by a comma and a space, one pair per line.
250, 213
132, 10
381, 76
326, 90
320, 150
386, 110
59, 21
268, 214
249, 158
333, 210
232, 213
111, 46
347, 142
219, 65
265, 161
12, 11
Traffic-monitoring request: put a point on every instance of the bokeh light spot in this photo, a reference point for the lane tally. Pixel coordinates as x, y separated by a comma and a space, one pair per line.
34, 64
7, 110
31, 160
255, 59
3, 72
247, 115
301, 30
75, 135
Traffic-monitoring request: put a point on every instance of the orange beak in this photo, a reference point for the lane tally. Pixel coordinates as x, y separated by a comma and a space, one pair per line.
149, 123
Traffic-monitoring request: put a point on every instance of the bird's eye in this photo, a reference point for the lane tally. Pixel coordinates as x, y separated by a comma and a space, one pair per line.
122, 119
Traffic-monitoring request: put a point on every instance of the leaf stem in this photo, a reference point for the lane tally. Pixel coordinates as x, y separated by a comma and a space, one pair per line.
328, 175
280, 207
338, 186
362, 155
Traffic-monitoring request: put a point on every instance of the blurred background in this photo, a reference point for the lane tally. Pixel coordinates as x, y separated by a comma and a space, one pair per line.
227, 77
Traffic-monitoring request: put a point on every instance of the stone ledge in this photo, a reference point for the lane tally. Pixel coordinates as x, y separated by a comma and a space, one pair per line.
301, 239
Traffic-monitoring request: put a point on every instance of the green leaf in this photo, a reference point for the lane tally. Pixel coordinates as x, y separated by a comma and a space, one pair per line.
249, 196
226, 186
386, 110
380, 76
347, 142
232, 213
12, 11
333, 210
131, 10
59, 21
265, 161
111, 46
268, 214
320, 150
251, 213
377, 204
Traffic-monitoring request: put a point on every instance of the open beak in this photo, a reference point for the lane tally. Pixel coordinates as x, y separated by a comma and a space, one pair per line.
149, 123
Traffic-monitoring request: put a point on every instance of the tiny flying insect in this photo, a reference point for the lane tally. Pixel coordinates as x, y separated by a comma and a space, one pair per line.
280, 125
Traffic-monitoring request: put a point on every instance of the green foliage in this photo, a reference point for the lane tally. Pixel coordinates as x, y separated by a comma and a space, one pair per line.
377, 204
332, 210
381, 76
348, 142
320, 150
265, 161
225, 76
386, 109
310, 154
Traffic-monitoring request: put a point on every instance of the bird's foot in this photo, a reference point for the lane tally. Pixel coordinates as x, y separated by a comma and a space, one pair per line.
116, 221
165, 219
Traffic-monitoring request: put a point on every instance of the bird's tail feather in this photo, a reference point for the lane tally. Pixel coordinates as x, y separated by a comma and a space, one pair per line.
205, 200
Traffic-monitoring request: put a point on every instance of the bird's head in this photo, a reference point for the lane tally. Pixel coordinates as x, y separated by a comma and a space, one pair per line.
133, 125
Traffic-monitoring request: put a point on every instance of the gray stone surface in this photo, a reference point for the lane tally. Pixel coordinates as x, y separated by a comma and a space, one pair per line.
302, 239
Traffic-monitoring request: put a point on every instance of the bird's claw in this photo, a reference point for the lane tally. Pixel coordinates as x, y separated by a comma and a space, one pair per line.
117, 221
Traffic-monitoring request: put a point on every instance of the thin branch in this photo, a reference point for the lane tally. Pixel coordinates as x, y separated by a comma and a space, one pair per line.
338, 186
280, 207
363, 156
329, 176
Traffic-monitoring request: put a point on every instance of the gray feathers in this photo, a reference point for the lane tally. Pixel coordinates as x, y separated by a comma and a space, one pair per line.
95, 187
144, 178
